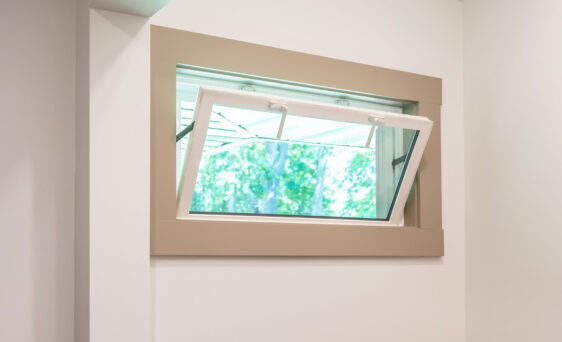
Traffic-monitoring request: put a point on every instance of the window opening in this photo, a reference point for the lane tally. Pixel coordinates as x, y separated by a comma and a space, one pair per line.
259, 158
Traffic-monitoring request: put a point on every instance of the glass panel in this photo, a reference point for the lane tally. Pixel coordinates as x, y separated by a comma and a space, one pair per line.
319, 168
190, 78
392, 146
189, 75
231, 124
313, 130
235, 132
185, 106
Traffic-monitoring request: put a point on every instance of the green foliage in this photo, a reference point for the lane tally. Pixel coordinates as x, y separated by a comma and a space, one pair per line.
362, 178
299, 181
265, 177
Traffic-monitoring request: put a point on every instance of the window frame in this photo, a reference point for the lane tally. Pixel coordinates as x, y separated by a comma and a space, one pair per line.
210, 96
422, 232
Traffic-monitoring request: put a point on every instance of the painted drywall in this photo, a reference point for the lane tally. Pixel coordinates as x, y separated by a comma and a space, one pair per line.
513, 73
119, 170
220, 298
330, 299
37, 74
82, 175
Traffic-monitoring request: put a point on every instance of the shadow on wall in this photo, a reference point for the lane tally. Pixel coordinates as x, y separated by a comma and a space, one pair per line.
217, 261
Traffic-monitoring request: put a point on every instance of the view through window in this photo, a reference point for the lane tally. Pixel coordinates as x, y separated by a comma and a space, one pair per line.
275, 163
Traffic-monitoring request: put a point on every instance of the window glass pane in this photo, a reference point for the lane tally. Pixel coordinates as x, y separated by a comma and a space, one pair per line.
190, 78
185, 106
229, 124
392, 146
314, 130
189, 75
319, 168
246, 136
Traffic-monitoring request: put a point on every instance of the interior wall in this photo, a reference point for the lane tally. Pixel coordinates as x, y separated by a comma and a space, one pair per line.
513, 72
82, 183
37, 106
511, 56
119, 170
330, 299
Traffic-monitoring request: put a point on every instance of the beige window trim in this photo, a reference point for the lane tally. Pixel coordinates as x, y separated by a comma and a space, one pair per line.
422, 234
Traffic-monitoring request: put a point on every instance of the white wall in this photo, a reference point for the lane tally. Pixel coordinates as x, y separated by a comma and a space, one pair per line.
330, 299
37, 68
513, 72
512, 55
82, 176
202, 299
119, 177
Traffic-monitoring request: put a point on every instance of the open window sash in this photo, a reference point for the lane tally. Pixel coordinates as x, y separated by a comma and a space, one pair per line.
208, 97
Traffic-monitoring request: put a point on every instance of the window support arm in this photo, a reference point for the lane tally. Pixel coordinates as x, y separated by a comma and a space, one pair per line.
185, 131
283, 108
374, 122
398, 160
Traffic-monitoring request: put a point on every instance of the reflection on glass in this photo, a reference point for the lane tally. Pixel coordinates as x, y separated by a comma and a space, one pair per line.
314, 130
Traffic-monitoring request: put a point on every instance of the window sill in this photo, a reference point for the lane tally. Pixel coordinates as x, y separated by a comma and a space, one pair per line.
236, 238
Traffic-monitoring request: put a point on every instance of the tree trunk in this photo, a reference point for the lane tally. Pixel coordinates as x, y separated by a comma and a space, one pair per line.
277, 157
230, 200
318, 196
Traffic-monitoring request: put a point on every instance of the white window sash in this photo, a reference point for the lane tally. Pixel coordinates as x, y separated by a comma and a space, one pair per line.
211, 96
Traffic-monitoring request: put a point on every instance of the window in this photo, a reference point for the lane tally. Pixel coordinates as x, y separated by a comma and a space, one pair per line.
256, 155
259, 151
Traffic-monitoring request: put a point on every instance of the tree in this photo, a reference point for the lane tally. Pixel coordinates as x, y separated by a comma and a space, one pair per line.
277, 157
266, 177
318, 196
361, 194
